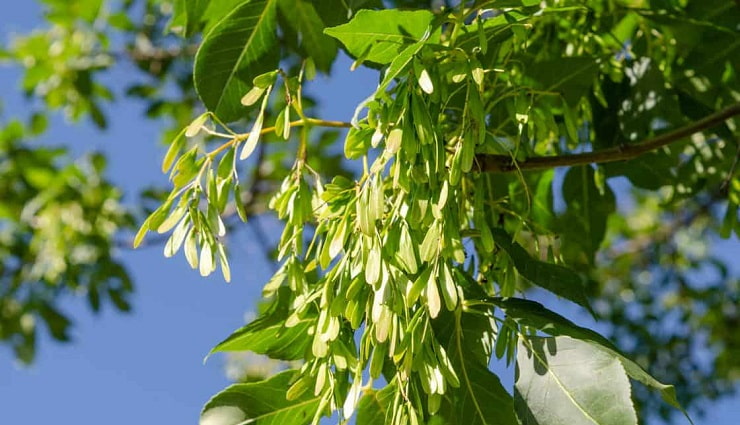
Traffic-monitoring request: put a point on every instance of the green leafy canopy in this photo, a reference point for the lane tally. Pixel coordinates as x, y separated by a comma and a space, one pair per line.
572, 150
411, 267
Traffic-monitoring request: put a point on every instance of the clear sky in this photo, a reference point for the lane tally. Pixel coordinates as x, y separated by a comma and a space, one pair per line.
146, 367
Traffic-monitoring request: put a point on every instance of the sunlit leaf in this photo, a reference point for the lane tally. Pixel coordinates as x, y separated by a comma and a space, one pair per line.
565, 381
262, 402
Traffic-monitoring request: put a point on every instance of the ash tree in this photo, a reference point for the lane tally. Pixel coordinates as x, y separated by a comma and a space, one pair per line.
581, 153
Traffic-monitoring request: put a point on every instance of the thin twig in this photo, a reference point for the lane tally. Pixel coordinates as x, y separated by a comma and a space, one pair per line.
298, 123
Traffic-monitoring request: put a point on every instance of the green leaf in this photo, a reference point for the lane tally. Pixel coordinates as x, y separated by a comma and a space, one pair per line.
534, 314
562, 381
480, 399
399, 64
260, 403
57, 323
373, 407
430, 244
268, 334
584, 221
379, 36
243, 46
139, 237
571, 77
542, 200
186, 16
649, 171
302, 16
557, 279
216, 10
357, 142
335, 12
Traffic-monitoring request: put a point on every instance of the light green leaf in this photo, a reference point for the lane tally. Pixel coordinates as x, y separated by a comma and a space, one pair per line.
173, 218
399, 64
268, 334
393, 143
406, 251
139, 237
564, 381
434, 302
260, 403
357, 142
373, 408
206, 264
195, 126
243, 46
224, 261
172, 152
191, 248
254, 134
253, 95
430, 244
379, 36
372, 268
449, 288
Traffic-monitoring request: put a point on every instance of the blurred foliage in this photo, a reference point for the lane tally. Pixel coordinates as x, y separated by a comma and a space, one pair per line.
647, 245
57, 220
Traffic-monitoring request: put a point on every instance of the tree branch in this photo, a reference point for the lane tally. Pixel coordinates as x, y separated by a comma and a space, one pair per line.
505, 164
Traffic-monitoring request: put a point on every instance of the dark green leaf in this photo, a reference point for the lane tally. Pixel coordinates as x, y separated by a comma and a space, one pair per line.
243, 46
584, 222
57, 323
557, 279
302, 16
571, 77
480, 398
260, 403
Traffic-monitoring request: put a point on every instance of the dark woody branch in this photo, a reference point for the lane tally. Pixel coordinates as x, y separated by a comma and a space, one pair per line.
505, 164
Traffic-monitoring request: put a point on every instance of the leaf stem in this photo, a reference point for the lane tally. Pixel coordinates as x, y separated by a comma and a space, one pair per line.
297, 123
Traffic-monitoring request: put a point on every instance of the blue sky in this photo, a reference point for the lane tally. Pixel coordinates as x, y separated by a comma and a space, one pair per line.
146, 367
